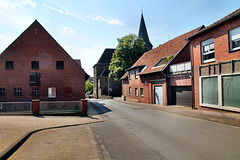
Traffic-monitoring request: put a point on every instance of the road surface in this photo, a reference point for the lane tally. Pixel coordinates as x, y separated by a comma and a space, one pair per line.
134, 132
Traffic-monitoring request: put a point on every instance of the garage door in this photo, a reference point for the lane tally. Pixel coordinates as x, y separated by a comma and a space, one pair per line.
182, 96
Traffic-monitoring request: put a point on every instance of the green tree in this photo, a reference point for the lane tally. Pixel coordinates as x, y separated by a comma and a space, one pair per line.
88, 87
129, 49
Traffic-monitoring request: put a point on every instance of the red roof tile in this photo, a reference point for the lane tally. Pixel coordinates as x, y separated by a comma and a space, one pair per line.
152, 57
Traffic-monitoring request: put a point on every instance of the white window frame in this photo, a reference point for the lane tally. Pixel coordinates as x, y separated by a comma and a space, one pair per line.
130, 91
129, 75
141, 92
206, 43
136, 76
220, 94
52, 92
234, 35
185, 66
136, 92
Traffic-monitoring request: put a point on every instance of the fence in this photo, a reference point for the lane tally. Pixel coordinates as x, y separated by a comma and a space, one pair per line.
15, 107
60, 107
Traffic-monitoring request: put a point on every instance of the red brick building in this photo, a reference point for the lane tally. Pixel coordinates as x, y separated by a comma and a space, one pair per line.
160, 73
35, 66
215, 54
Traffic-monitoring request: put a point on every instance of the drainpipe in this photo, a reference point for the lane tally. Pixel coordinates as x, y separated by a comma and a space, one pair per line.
192, 76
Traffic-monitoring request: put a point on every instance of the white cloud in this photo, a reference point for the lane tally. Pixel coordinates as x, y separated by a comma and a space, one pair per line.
54, 9
111, 21
14, 4
108, 20
64, 12
66, 31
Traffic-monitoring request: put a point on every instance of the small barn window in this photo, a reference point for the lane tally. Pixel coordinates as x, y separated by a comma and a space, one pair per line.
35, 65
60, 64
17, 91
35, 91
9, 64
2, 91
34, 79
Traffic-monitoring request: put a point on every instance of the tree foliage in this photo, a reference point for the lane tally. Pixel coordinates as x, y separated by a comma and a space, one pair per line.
129, 49
88, 87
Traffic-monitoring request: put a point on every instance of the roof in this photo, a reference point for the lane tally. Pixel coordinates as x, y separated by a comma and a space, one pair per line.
78, 61
106, 56
142, 33
152, 57
104, 73
221, 21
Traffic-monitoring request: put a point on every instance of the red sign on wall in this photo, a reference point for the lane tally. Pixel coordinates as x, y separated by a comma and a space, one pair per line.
145, 83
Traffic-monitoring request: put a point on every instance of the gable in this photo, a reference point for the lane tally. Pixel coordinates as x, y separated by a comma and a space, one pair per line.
106, 56
36, 44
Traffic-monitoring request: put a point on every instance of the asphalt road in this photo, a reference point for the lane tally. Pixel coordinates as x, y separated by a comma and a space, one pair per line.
133, 132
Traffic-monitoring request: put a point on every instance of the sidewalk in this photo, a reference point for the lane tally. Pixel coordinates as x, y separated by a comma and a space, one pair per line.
225, 117
13, 129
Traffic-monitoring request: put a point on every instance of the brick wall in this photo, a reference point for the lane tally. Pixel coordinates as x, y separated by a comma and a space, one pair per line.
222, 52
148, 90
36, 44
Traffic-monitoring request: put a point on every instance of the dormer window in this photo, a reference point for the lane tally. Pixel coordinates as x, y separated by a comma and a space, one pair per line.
162, 62
136, 74
129, 75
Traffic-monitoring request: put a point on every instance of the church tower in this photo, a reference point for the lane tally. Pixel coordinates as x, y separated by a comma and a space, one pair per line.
142, 33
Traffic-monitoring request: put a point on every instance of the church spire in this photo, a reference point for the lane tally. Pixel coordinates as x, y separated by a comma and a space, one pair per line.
142, 33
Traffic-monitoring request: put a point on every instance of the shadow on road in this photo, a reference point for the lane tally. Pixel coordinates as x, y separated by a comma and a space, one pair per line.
100, 107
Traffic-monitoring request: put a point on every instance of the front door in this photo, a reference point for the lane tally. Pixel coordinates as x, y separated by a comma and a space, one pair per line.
158, 95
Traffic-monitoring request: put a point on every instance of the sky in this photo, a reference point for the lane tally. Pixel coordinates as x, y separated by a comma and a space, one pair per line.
84, 28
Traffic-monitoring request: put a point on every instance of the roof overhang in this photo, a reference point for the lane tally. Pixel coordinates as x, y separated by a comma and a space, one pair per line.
139, 66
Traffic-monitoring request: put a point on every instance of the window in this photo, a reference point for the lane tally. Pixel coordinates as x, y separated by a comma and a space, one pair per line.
35, 65
34, 79
231, 91
52, 92
60, 64
136, 92
141, 92
208, 51
180, 67
162, 62
210, 90
9, 64
129, 75
2, 91
136, 76
130, 91
35, 92
17, 91
234, 36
